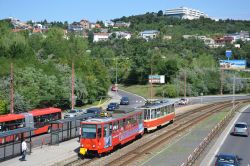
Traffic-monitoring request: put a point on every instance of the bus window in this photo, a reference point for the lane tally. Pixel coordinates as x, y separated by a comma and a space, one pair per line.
89, 131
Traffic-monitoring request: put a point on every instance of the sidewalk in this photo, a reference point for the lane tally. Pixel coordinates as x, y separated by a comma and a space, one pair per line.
56, 154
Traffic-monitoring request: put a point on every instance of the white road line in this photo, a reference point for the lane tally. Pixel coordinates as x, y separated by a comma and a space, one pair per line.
221, 140
133, 94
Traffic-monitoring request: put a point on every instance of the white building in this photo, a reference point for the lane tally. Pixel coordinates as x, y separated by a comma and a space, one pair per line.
100, 37
123, 35
185, 13
149, 34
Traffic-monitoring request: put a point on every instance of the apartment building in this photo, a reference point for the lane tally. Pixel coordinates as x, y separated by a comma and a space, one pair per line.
185, 13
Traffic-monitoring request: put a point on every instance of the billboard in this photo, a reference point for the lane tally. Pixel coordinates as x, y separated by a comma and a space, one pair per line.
233, 64
156, 79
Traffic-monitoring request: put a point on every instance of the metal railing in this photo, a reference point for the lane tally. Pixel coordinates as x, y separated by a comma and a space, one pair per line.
201, 147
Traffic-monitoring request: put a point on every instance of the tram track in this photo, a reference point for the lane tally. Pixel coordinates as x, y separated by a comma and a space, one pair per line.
180, 126
182, 123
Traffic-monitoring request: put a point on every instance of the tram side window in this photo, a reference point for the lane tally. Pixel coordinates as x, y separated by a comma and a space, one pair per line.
140, 118
134, 120
158, 112
145, 114
110, 128
153, 113
106, 130
115, 126
99, 131
121, 124
165, 110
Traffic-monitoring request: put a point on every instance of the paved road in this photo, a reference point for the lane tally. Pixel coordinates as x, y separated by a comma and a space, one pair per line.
134, 100
237, 144
212, 99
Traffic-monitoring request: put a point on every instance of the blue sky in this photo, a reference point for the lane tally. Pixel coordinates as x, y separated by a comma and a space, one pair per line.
93, 10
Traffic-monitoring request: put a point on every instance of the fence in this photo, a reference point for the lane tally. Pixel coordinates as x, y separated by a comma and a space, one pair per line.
11, 142
197, 151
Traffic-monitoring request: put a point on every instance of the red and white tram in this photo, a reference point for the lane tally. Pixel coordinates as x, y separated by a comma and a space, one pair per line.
100, 135
158, 113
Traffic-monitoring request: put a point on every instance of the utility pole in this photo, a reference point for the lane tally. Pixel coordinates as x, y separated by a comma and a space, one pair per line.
185, 84
11, 89
116, 71
234, 92
151, 82
72, 87
221, 81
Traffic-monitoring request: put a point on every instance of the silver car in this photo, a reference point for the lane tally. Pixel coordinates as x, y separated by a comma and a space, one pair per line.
73, 113
240, 128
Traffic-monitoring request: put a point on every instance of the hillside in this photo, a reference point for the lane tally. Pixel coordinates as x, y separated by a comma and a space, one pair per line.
42, 61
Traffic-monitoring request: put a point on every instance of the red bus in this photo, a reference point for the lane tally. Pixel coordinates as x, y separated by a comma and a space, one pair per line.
101, 135
37, 118
158, 113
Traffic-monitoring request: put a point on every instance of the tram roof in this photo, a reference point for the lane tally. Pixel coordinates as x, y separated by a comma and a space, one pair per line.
159, 103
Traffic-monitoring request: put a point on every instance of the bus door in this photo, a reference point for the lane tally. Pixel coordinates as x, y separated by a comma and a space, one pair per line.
107, 135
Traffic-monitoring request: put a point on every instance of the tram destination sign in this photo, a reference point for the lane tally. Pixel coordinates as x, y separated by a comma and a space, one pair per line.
156, 79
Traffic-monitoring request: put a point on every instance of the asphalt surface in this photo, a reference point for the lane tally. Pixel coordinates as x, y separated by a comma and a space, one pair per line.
238, 145
134, 100
212, 99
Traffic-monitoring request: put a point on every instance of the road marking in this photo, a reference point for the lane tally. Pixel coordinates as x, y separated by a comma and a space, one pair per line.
225, 132
133, 94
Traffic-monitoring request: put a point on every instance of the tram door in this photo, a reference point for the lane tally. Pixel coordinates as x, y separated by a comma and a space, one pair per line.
107, 135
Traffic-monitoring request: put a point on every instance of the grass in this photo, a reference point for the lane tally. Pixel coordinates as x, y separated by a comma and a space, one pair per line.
142, 90
94, 104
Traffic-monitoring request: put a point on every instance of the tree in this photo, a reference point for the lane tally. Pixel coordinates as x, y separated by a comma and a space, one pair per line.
160, 13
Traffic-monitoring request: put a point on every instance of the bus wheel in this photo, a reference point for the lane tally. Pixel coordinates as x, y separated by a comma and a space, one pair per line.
172, 121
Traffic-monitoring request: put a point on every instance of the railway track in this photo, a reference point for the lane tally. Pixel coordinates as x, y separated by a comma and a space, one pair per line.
182, 123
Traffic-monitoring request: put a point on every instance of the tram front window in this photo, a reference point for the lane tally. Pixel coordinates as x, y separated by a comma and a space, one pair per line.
88, 131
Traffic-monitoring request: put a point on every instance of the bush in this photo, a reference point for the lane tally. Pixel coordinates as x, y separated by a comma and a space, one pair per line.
168, 90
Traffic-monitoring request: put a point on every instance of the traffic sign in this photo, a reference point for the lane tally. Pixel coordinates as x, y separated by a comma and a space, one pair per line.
228, 53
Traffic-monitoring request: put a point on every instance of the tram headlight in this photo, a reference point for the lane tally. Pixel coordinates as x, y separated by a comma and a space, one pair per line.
93, 146
82, 145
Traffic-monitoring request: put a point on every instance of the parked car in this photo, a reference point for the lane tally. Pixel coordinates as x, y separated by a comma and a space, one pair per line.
73, 113
94, 110
113, 106
240, 128
124, 101
227, 160
183, 101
